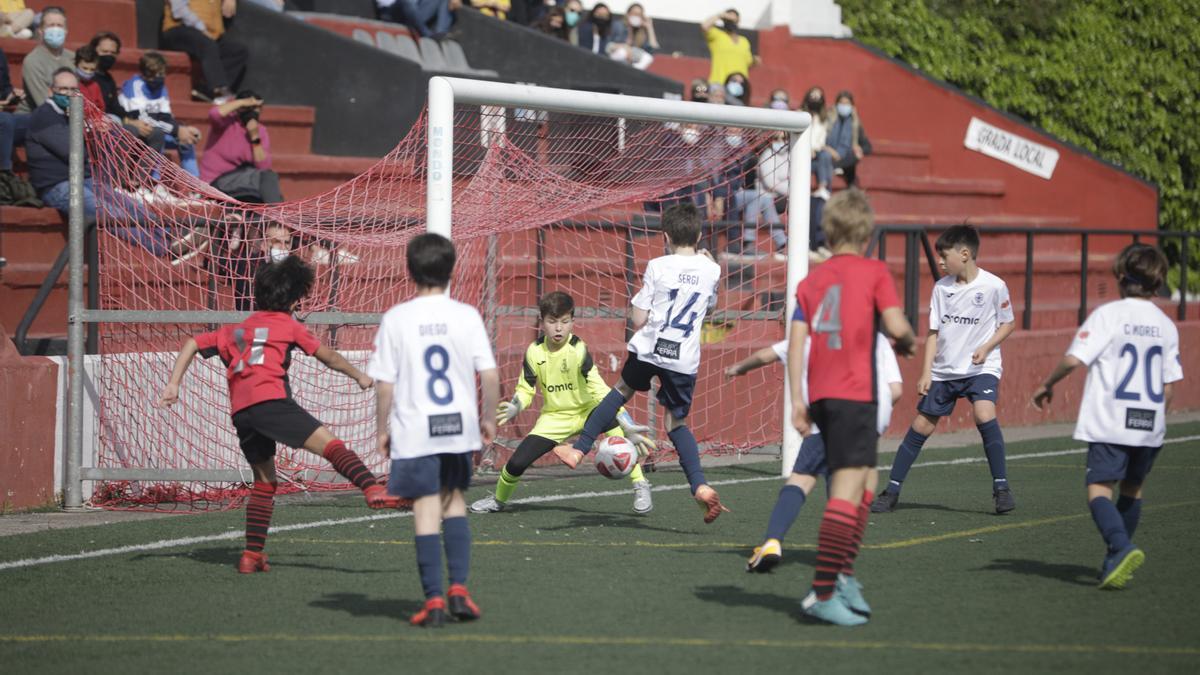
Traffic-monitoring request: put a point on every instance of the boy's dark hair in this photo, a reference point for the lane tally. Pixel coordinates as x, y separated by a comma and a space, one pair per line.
556, 304
86, 54
681, 224
1140, 270
430, 260
848, 218
280, 285
105, 35
152, 62
959, 236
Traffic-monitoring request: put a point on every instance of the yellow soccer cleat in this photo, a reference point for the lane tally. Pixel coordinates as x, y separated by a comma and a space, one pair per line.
765, 557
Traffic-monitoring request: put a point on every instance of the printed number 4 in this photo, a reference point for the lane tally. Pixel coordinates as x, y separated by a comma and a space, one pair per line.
437, 373
690, 324
1122, 393
829, 316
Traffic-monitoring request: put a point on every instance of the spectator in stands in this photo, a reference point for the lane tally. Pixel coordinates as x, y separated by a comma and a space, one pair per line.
108, 46
845, 145
729, 51
237, 158
15, 19
554, 23
763, 203
145, 97
425, 18
595, 34
529, 12
633, 39
737, 89
494, 8
37, 70
573, 16
86, 64
780, 100
698, 91
198, 28
13, 127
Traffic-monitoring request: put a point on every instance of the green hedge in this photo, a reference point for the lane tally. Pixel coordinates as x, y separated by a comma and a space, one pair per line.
1118, 77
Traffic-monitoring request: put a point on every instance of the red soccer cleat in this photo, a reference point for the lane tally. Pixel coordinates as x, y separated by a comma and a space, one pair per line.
462, 607
710, 502
568, 455
378, 498
432, 615
252, 562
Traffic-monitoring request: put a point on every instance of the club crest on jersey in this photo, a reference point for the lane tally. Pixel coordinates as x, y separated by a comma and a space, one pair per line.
1083, 335
564, 365
978, 299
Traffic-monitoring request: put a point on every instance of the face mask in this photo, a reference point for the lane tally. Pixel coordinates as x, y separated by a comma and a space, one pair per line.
279, 254
844, 109
84, 75
153, 83
735, 89
691, 136
62, 101
734, 141
54, 37
107, 61
601, 20
776, 146
779, 105
572, 18
634, 21
729, 25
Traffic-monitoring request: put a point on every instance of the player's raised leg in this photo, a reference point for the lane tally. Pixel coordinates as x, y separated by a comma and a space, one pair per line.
259, 508
993, 443
601, 418
322, 442
922, 427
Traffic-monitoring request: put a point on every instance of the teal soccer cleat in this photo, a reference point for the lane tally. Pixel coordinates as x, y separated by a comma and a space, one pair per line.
832, 611
850, 591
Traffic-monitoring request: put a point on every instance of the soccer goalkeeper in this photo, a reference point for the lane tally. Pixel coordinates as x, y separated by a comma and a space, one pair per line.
559, 365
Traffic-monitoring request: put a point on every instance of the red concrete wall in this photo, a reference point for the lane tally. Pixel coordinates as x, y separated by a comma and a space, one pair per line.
27, 416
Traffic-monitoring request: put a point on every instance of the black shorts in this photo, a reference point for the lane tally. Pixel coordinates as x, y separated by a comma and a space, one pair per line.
423, 476
1108, 462
848, 427
674, 389
262, 425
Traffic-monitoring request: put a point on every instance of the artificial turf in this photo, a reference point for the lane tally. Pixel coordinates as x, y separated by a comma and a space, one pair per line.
580, 583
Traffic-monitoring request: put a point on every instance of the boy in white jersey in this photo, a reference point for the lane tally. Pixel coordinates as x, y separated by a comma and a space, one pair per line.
677, 291
970, 314
1131, 350
811, 461
427, 352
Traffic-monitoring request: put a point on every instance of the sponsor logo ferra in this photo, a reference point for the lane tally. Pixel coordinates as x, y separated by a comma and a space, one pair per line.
1010, 148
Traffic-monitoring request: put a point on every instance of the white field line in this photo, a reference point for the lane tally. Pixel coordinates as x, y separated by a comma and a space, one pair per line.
331, 522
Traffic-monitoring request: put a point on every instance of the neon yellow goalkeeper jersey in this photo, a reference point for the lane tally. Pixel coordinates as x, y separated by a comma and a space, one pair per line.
567, 378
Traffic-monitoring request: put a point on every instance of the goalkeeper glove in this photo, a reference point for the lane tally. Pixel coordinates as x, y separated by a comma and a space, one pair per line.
638, 434
508, 410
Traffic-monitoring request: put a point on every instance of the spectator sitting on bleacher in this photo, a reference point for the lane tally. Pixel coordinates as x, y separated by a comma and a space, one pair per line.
762, 203
780, 100
845, 144
729, 51
86, 63
425, 18
494, 8
554, 23
737, 89
13, 127
596, 32
574, 16
15, 19
633, 38
37, 70
145, 97
237, 158
198, 28
108, 46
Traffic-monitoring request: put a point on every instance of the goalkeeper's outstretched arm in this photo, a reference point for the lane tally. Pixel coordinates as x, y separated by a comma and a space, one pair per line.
170, 393
763, 357
507, 410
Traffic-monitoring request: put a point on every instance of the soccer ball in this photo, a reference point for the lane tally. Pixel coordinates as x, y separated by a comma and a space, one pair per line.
616, 457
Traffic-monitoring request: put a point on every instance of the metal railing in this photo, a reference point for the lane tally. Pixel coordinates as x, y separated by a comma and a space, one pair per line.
916, 242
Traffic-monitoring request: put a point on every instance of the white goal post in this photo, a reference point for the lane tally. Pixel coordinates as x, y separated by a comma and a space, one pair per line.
447, 92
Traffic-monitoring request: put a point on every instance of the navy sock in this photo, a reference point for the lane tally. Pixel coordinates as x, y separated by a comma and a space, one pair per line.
429, 562
600, 420
787, 507
1131, 512
689, 455
456, 538
1108, 521
993, 447
910, 447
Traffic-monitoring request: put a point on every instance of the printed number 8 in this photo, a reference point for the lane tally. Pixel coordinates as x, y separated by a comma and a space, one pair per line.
438, 374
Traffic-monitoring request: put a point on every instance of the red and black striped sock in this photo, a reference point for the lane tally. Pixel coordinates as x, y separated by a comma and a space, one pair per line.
834, 542
348, 465
860, 529
258, 515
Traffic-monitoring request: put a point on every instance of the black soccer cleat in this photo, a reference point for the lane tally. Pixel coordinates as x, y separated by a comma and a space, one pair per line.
1004, 500
462, 607
885, 502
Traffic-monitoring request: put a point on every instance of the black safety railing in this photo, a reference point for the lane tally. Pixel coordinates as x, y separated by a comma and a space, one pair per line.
916, 242
92, 256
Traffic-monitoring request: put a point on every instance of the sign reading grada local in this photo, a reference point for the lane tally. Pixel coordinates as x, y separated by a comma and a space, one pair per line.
1022, 153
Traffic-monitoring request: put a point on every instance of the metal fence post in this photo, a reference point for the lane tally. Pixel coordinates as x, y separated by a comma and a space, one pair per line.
1027, 313
1083, 277
72, 483
912, 278
1183, 277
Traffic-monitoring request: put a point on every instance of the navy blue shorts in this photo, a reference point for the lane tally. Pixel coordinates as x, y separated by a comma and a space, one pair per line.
1108, 462
811, 460
674, 389
942, 396
429, 475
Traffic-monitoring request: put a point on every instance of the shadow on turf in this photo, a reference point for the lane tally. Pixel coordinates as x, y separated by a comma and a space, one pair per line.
583, 518
805, 557
905, 506
228, 557
357, 604
1071, 574
734, 596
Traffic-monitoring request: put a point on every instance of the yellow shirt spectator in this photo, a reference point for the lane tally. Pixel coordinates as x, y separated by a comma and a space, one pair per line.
496, 8
729, 53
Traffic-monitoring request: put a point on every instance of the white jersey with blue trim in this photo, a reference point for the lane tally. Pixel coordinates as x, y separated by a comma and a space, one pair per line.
430, 348
677, 291
1131, 349
965, 317
887, 371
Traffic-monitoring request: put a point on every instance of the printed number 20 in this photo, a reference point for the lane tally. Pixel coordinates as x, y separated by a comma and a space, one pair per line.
437, 373
829, 316
1124, 394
